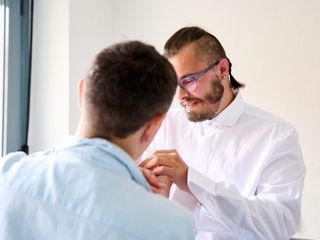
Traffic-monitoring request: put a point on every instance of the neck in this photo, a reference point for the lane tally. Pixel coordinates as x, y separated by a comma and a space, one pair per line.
128, 144
85, 130
227, 98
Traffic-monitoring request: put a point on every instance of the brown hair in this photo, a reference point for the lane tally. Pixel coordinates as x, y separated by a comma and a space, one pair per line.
206, 45
127, 84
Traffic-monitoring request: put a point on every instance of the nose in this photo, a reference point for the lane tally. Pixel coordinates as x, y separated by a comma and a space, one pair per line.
181, 93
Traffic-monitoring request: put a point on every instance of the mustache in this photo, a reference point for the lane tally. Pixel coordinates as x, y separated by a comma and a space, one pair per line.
190, 99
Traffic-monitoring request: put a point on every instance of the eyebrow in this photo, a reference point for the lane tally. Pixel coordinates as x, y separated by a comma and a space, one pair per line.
188, 75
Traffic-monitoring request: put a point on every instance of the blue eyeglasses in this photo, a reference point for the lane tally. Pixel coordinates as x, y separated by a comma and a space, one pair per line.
189, 83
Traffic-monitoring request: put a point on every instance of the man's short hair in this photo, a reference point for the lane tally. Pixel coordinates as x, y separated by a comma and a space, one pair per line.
206, 45
128, 84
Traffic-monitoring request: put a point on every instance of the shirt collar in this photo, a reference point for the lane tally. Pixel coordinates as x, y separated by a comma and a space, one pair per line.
230, 115
110, 149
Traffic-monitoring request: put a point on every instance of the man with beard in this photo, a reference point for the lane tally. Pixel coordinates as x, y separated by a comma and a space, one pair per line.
237, 168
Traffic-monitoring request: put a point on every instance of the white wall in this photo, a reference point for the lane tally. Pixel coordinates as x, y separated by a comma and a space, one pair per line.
49, 110
91, 29
273, 45
67, 34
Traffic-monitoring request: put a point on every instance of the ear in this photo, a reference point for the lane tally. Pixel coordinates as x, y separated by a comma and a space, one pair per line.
80, 92
223, 68
151, 128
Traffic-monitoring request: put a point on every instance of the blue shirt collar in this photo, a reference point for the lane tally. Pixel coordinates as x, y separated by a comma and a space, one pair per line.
110, 149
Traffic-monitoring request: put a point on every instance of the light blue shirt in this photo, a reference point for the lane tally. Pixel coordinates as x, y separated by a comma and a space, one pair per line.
84, 189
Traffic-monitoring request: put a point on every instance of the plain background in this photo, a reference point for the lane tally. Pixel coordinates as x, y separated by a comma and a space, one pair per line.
274, 47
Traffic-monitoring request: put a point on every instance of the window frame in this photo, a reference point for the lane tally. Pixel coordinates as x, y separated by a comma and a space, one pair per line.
16, 75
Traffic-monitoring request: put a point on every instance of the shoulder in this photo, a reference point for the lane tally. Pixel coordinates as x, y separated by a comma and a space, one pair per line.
10, 159
264, 119
176, 221
151, 215
23, 172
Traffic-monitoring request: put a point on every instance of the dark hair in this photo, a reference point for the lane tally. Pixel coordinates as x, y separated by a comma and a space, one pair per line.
127, 84
206, 45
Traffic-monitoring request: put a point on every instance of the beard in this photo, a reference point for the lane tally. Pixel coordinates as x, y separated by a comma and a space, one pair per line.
209, 104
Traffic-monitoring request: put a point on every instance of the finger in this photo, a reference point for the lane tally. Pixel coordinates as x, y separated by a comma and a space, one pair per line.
152, 179
160, 161
176, 176
147, 160
153, 189
159, 153
165, 151
164, 170
164, 179
144, 162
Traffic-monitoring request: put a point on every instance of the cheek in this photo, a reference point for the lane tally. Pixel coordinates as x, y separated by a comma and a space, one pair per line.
203, 89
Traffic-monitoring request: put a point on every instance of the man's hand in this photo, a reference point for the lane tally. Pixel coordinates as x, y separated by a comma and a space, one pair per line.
159, 184
168, 163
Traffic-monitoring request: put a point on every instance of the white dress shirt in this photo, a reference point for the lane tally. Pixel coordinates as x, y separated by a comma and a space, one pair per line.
245, 172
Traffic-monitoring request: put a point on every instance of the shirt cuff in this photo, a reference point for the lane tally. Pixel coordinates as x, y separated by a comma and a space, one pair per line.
200, 185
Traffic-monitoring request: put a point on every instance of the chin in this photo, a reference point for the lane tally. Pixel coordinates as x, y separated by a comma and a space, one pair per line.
196, 117
200, 116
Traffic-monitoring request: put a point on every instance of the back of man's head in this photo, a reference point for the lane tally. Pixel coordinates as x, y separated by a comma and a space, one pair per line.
127, 85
